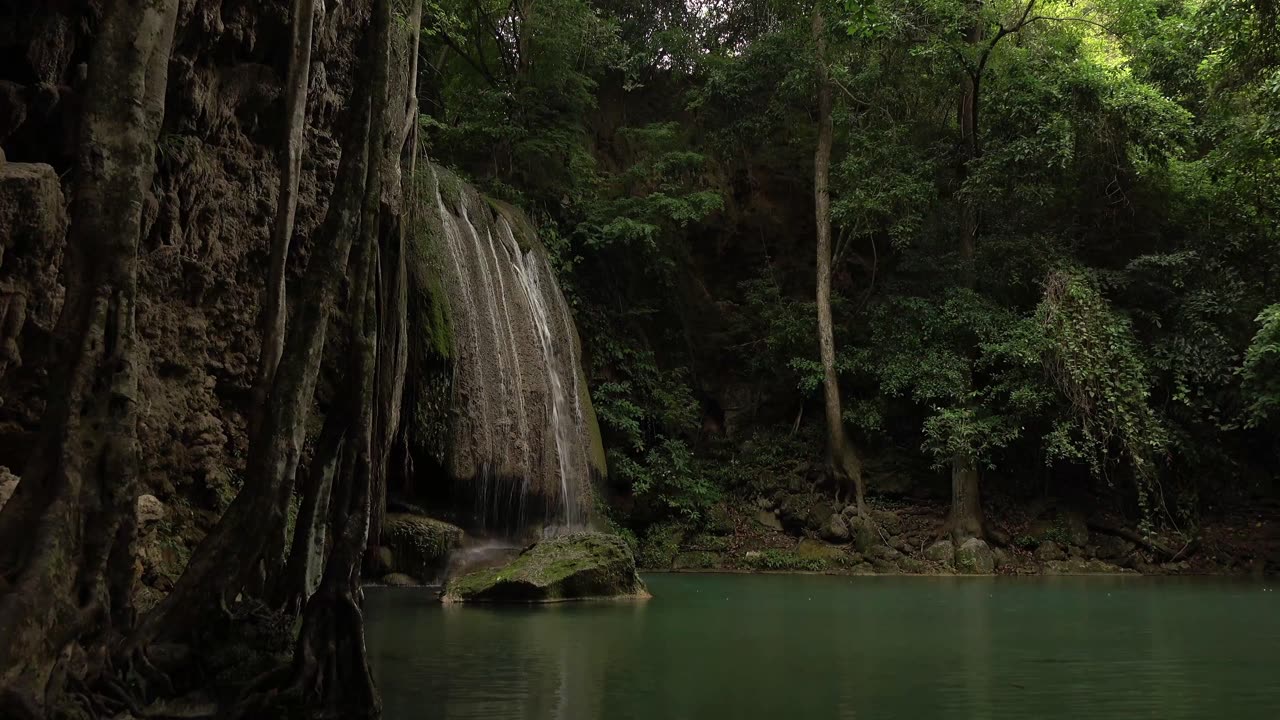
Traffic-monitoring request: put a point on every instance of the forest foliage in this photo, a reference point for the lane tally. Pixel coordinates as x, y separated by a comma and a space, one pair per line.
1116, 330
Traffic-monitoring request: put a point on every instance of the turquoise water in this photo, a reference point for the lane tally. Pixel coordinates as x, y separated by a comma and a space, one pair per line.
785, 646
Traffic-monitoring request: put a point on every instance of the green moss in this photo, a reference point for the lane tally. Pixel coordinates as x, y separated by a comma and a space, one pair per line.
583, 565
698, 560
814, 550
452, 187
420, 545
774, 559
428, 388
525, 233
597, 455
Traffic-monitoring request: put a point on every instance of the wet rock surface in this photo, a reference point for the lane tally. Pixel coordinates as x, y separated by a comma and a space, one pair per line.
573, 567
419, 546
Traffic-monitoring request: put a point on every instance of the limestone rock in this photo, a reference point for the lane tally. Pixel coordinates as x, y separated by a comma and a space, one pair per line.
793, 511
942, 551
8, 484
864, 533
1001, 557
974, 557
836, 530
420, 545
1110, 547
571, 567
31, 205
767, 519
399, 580
913, 565
1049, 550
812, 551
484, 243
820, 513
1078, 566
149, 509
888, 520
884, 552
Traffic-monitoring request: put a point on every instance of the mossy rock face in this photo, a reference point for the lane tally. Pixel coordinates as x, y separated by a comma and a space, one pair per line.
813, 550
419, 545
975, 558
574, 567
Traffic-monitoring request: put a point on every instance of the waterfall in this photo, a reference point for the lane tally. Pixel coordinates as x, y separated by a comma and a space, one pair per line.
528, 269
521, 436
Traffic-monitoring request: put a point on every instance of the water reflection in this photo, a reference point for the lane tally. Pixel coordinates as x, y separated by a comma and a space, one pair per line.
814, 647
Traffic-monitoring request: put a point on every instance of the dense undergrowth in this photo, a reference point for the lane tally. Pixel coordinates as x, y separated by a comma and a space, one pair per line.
1112, 337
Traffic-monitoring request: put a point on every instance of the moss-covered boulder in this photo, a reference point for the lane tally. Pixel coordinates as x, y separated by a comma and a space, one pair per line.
574, 567
975, 558
419, 545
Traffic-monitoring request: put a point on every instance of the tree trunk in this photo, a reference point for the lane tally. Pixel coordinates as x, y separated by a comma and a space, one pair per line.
274, 308
393, 291
233, 551
66, 538
966, 504
302, 573
843, 458
967, 519
330, 674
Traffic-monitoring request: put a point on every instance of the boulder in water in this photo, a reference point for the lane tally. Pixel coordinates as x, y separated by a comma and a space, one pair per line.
419, 545
573, 567
399, 580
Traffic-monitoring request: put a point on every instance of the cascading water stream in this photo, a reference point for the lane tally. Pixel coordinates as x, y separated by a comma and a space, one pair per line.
518, 426
527, 269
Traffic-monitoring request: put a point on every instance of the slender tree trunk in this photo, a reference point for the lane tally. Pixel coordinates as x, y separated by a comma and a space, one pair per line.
67, 537
967, 519
330, 673
843, 458
393, 293
233, 551
302, 573
274, 310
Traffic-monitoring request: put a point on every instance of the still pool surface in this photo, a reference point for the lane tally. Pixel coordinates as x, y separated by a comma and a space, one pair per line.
779, 646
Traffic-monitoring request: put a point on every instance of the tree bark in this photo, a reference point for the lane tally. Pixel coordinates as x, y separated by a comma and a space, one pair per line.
393, 292
274, 308
302, 573
66, 538
330, 674
967, 519
233, 551
843, 458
